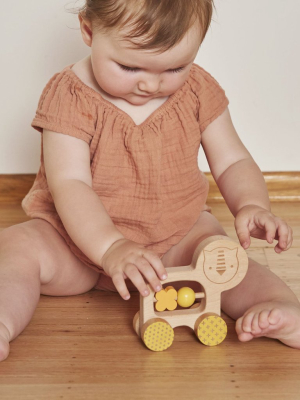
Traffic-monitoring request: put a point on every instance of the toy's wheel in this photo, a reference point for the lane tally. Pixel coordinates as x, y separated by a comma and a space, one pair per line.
210, 329
157, 334
136, 323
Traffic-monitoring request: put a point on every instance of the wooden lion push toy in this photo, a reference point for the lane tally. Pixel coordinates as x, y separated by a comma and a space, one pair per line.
218, 264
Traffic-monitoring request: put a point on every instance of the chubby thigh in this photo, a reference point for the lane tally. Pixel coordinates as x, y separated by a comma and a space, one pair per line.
38, 244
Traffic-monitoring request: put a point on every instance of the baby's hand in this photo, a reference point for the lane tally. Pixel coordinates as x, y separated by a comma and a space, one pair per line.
127, 259
260, 223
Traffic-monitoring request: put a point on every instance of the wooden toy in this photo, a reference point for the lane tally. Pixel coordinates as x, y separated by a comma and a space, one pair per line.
218, 264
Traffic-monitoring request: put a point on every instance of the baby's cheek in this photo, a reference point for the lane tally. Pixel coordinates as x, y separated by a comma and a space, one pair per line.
172, 84
120, 85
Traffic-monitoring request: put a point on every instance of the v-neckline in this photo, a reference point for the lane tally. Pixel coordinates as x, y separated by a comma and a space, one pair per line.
152, 116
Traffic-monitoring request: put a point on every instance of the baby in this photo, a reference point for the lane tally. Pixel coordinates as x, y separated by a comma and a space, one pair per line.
119, 196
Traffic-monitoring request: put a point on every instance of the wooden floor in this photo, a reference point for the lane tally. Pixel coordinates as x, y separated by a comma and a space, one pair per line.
84, 347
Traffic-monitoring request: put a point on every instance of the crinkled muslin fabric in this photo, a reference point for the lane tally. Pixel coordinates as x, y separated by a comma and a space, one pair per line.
146, 175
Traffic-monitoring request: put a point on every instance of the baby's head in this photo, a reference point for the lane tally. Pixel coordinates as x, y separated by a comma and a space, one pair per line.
142, 49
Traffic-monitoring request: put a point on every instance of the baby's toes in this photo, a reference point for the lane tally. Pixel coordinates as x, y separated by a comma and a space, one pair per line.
263, 319
243, 336
255, 328
4, 349
275, 316
247, 322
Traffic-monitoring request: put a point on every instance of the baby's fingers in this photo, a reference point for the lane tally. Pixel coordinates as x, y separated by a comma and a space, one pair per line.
285, 237
119, 282
267, 223
136, 278
149, 273
156, 264
242, 231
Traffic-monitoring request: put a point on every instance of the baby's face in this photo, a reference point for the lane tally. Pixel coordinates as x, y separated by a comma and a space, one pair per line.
138, 76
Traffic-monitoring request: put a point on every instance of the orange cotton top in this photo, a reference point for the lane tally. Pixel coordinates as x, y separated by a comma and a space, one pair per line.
146, 175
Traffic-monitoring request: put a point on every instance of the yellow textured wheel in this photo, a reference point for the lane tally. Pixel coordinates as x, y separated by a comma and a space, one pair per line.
157, 334
211, 329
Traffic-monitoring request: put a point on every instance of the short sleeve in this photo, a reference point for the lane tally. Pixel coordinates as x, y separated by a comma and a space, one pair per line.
212, 100
64, 108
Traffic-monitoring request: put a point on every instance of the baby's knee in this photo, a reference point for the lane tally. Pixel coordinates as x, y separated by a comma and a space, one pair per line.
20, 239
182, 253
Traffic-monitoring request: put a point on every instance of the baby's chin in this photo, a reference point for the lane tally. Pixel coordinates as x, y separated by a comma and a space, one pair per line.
137, 100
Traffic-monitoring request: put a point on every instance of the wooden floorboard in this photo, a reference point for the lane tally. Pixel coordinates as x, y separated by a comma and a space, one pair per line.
84, 347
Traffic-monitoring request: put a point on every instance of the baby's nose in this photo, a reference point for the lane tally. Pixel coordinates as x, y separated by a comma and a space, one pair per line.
150, 85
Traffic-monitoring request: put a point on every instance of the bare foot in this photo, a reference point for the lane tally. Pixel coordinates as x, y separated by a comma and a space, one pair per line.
4, 342
277, 320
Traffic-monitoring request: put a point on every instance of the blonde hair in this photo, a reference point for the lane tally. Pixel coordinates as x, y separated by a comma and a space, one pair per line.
160, 23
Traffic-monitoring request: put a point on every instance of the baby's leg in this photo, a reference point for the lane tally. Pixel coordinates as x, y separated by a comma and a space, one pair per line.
262, 304
34, 260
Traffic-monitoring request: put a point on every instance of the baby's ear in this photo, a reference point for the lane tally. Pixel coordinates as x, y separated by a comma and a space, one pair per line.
80, 17
86, 30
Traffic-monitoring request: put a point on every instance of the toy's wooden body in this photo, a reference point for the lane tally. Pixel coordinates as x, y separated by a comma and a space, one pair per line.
218, 264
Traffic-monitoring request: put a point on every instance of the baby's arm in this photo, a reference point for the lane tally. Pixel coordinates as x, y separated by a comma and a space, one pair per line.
242, 185
67, 165
70, 183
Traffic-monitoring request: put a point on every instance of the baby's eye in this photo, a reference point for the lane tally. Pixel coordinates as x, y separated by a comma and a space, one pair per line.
131, 69
177, 69
125, 68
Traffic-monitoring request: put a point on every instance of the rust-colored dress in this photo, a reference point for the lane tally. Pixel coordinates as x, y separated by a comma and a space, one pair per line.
146, 175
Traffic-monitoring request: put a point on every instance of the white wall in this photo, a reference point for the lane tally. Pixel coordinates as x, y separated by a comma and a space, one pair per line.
252, 49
